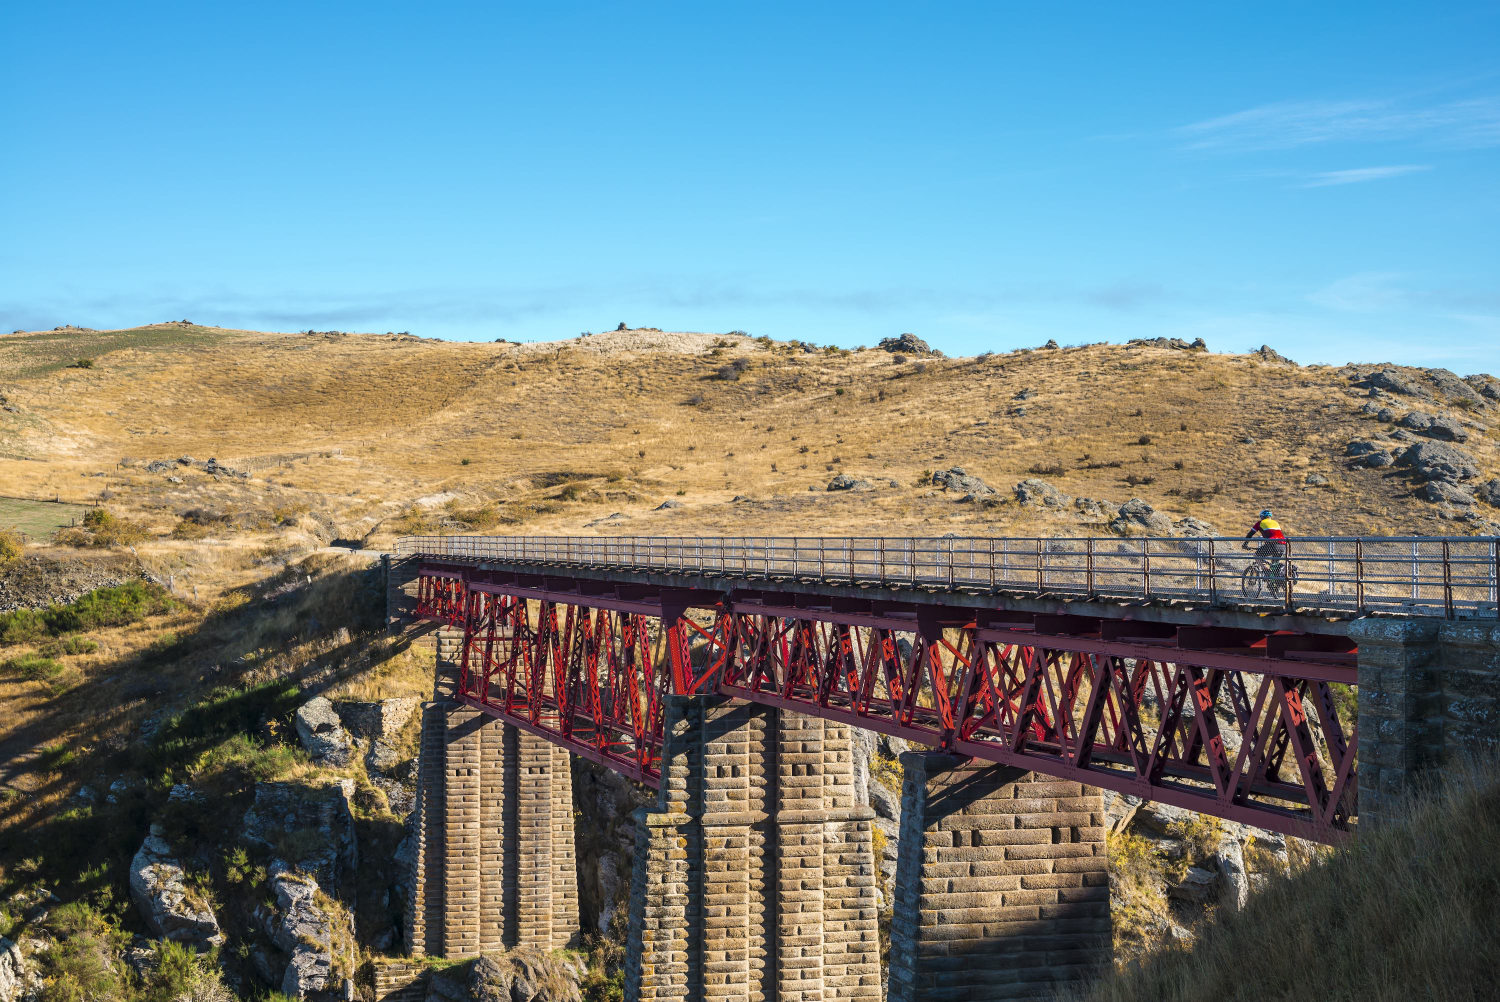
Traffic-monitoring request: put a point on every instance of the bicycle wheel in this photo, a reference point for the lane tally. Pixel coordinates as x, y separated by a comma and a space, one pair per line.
1255, 580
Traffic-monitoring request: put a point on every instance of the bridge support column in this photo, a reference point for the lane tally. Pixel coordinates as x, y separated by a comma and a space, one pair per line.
1002, 884
1429, 691
494, 865
755, 872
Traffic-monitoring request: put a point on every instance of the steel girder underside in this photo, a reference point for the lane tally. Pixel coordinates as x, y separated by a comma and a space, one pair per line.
1251, 726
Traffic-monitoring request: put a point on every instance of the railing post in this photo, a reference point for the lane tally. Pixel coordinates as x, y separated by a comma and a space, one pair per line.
1146, 565
1359, 574
992, 563
911, 552
822, 560
1286, 575
1088, 576
949, 548
1040, 587
1213, 574
1447, 583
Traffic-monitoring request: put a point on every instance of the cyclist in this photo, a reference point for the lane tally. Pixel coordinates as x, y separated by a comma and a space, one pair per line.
1273, 549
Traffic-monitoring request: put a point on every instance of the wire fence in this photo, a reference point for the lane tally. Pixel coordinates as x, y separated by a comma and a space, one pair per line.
1454, 577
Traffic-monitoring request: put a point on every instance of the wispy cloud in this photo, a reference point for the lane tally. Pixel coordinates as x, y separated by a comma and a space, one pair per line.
1359, 175
1469, 123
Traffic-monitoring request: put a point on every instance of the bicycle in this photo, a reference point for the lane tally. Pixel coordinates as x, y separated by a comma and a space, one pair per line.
1267, 577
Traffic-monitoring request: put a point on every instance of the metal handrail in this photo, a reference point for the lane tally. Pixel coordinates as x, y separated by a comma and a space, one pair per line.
1452, 577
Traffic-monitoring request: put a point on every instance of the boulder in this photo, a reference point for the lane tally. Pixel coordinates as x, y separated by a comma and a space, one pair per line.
1120, 809
1377, 460
1438, 461
1485, 385
520, 974
1490, 493
1198, 887
322, 733
1095, 510
1175, 343
668, 505
1451, 386
171, 910
1194, 528
1361, 447
1268, 354
317, 938
1315, 480
844, 482
1137, 518
1040, 494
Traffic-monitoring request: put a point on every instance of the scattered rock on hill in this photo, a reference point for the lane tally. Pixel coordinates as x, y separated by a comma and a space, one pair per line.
844, 482
216, 469
1175, 343
1449, 385
1434, 426
906, 344
158, 886
955, 478
1315, 480
1490, 493
1438, 461
668, 505
1040, 494
1485, 385
308, 826
322, 733
1194, 528
160, 466
520, 974
1137, 518
1268, 354
17, 979
1445, 491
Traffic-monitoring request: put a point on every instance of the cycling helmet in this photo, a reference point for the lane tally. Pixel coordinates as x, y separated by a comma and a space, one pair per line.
1266, 513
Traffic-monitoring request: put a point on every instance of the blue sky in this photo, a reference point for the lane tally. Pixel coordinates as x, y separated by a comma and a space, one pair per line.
1322, 178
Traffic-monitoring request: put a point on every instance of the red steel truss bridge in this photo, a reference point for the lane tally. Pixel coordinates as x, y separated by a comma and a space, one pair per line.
1217, 705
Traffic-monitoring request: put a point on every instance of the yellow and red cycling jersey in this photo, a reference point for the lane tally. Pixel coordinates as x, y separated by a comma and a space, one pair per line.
1269, 528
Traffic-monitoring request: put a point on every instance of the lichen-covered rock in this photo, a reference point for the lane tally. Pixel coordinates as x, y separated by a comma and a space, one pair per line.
1137, 518
377, 719
1194, 528
1490, 493
322, 733
1095, 510
886, 802
1485, 385
1390, 381
1361, 447
316, 936
522, 974
1040, 494
1234, 883
1439, 461
1441, 491
171, 910
906, 344
1377, 460
1434, 426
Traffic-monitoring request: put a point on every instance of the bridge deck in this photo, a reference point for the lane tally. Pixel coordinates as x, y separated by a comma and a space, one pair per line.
1452, 577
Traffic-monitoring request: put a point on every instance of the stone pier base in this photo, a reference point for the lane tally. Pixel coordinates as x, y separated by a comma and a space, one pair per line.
755, 873
494, 862
1002, 884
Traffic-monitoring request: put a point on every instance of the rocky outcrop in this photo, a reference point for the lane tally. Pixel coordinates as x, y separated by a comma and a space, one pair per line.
519, 975
322, 733
1390, 381
1437, 461
1036, 493
377, 725
956, 478
1137, 518
171, 909
308, 827
906, 344
1174, 343
18, 979
844, 482
314, 933
1434, 426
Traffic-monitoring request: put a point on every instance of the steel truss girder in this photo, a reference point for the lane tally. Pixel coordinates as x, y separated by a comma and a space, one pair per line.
1232, 723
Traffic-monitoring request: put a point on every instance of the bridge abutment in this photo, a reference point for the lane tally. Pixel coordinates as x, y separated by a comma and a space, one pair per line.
494, 862
755, 872
1002, 883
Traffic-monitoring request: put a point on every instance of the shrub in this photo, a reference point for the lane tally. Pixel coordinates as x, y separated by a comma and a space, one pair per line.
22, 626
77, 965
36, 667
102, 527
464, 462
118, 606
181, 974
82, 363
11, 547
71, 644
1047, 470
1143, 440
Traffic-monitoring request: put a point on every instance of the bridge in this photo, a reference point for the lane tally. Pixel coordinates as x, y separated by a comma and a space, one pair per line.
728, 674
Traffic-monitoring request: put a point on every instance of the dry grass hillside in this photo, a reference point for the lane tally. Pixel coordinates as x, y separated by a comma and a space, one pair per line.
362, 437
178, 489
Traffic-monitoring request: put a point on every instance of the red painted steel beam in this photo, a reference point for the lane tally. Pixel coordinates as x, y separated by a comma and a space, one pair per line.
1235, 723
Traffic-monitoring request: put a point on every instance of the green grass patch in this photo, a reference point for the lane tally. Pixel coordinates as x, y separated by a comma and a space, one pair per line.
38, 519
56, 757
69, 645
